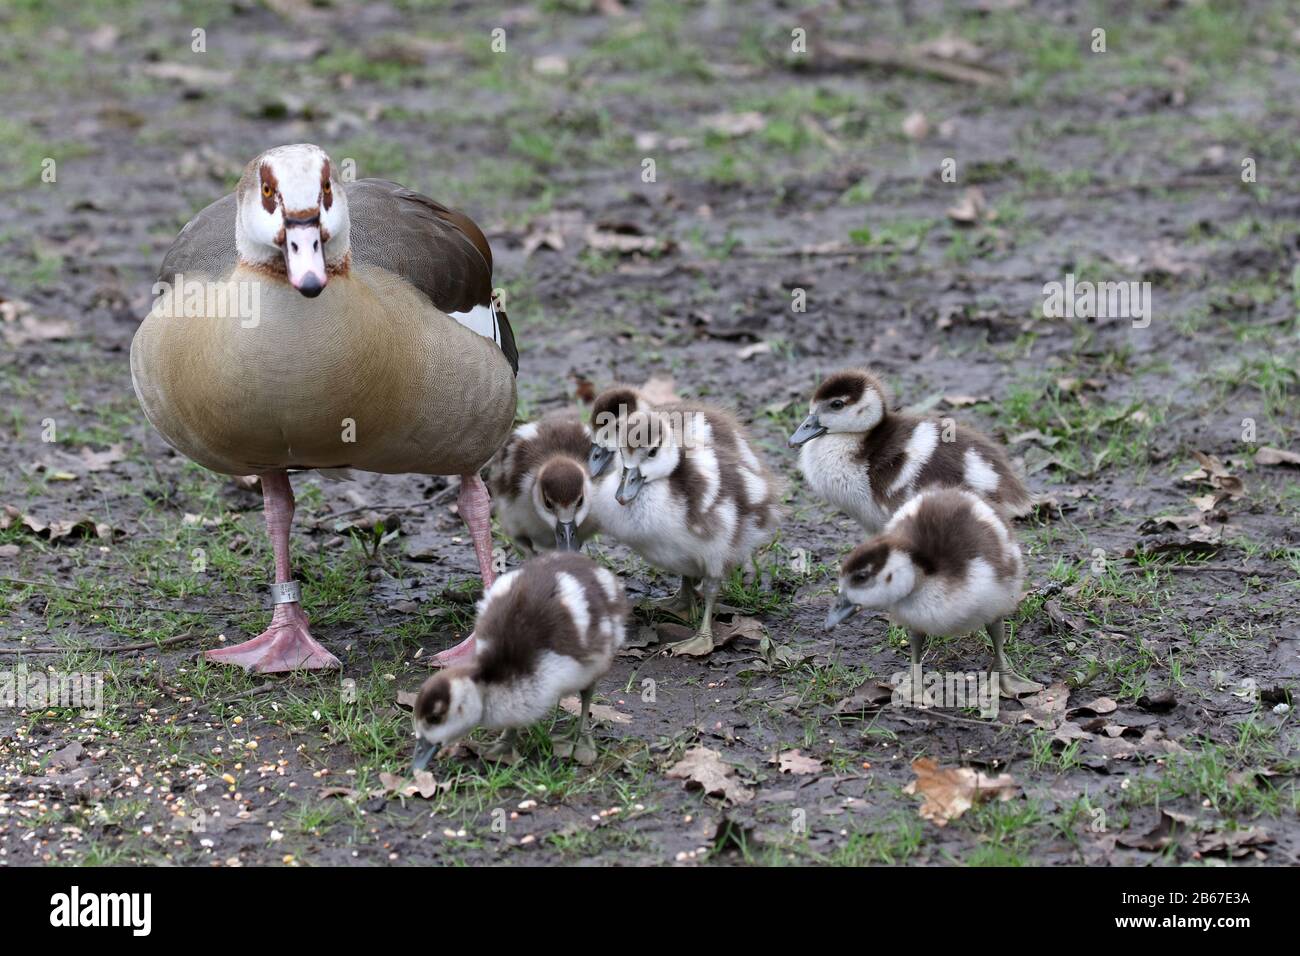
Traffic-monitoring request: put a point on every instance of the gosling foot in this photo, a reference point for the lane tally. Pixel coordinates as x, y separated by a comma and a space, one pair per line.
700, 645
503, 750
1011, 685
581, 749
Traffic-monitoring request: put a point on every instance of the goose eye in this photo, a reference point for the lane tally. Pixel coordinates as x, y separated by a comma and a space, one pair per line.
266, 190
326, 188
654, 451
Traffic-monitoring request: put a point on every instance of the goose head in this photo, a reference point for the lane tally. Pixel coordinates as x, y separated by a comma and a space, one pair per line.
561, 495
651, 449
876, 574
608, 416
292, 215
852, 401
447, 708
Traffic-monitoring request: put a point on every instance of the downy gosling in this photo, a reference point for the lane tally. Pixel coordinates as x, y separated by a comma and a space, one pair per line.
867, 461
541, 490
693, 500
945, 565
545, 630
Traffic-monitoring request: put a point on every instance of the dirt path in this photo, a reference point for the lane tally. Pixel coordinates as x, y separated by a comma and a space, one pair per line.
798, 220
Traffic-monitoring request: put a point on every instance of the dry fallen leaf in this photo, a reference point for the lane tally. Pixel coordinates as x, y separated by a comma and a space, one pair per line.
951, 791
20, 325
1214, 473
792, 761
421, 782
703, 767
603, 713
733, 125
624, 239
658, 390
1276, 456
102, 460
970, 208
1047, 707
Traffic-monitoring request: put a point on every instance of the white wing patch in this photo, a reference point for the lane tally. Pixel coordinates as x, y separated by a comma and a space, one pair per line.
608, 582
919, 451
979, 474
574, 599
481, 319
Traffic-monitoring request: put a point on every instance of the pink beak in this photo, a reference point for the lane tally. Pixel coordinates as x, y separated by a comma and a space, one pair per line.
304, 258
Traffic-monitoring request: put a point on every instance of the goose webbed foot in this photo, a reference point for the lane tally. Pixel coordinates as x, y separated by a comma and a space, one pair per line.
702, 643
460, 654
1010, 684
580, 745
698, 646
504, 749
284, 646
680, 605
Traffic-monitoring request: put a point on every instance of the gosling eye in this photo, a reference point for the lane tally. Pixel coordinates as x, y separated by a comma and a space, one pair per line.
546, 503
837, 404
889, 577
654, 451
581, 499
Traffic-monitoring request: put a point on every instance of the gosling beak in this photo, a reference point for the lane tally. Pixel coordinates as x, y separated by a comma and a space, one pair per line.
630, 485
566, 536
598, 459
424, 752
806, 432
840, 611
304, 256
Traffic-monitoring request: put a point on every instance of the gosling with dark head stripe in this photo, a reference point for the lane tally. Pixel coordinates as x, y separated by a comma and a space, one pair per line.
546, 630
946, 564
866, 460
540, 485
693, 500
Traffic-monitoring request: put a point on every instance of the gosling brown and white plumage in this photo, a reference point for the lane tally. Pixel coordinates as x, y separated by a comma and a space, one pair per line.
946, 564
867, 460
693, 500
545, 630
541, 490
611, 408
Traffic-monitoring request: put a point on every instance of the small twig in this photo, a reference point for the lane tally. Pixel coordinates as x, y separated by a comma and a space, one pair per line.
110, 649
1207, 567
891, 58
412, 506
252, 692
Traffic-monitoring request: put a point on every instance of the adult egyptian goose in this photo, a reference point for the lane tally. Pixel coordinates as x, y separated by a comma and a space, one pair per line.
946, 564
314, 324
867, 460
691, 501
541, 491
547, 629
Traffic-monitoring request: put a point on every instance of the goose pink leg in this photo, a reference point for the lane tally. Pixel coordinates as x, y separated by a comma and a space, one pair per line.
287, 644
476, 508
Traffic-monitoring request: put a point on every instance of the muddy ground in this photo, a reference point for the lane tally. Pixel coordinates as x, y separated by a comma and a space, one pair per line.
1165, 608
